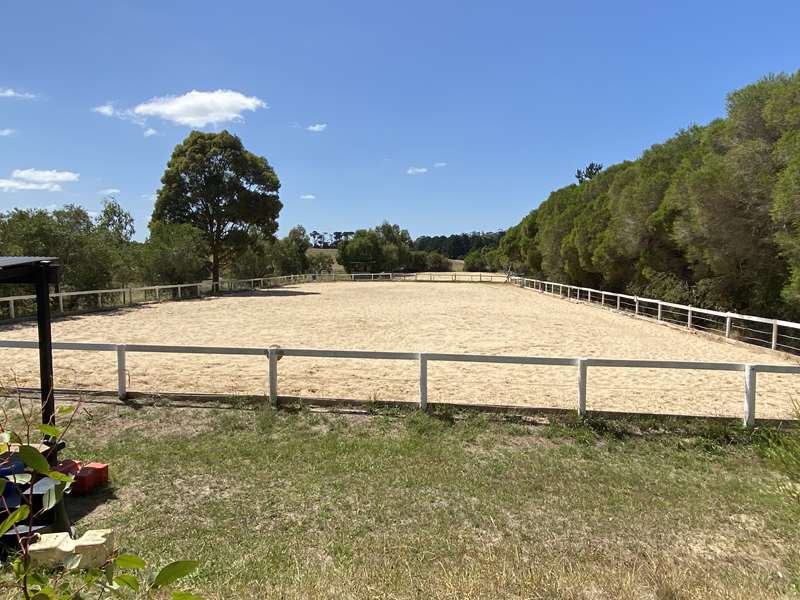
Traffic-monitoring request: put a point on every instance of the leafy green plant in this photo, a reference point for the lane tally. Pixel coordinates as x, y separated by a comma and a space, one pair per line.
120, 576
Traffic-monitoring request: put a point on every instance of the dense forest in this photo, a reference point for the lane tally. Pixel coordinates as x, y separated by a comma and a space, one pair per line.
710, 217
458, 245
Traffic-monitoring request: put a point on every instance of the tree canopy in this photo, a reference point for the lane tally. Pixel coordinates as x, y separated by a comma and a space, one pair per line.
710, 217
214, 184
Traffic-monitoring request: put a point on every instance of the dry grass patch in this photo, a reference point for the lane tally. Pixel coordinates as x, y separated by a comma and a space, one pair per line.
405, 505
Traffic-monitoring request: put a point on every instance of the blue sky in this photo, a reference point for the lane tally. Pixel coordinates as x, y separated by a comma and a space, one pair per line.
493, 103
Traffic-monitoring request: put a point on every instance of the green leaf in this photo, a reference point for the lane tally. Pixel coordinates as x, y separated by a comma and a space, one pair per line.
15, 517
185, 596
53, 495
62, 410
174, 571
50, 430
34, 459
58, 476
129, 561
127, 580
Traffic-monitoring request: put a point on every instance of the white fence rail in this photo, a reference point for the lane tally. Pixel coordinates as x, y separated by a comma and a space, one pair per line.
12, 307
275, 353
769, 333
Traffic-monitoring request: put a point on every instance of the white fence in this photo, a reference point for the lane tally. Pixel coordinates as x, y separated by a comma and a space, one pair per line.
768, 333
274, 354
12, 307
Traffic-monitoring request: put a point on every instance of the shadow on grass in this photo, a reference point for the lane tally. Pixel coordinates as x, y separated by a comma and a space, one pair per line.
80, 506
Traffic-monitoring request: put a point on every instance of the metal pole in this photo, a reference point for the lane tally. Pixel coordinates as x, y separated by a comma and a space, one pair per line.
45, 343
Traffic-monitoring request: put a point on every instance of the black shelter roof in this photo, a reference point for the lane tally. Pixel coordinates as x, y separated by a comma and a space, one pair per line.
26, 269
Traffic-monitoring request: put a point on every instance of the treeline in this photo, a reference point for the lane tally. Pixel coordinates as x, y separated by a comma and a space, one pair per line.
710, 218
386, 248
458, 245
99, 252
323, 239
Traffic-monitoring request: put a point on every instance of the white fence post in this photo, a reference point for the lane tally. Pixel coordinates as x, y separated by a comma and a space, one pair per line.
11, 309
179, 292
272, 353
582, 372
689, 318
122, 381
728, 326
636, 308
749, 396
423, 382
99, 300
61, 303
618, 301
775, 335
660, 307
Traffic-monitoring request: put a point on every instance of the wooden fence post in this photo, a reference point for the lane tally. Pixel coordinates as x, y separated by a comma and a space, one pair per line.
423, 382
122, 381
749, 396
272, 353
582, 373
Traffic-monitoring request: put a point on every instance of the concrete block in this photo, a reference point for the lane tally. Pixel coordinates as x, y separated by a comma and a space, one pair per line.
53, 549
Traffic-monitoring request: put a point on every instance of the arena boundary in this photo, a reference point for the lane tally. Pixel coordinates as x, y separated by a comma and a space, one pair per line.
274, 353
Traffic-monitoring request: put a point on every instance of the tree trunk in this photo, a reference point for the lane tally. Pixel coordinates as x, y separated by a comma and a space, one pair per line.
215, 269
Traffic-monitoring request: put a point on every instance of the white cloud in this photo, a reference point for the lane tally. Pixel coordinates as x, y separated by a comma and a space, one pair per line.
198, 109
109, 192
9, 93
107, 110
439, 165
317, 127
15, 185
6, 132
308, 197
44, 176
149, 132
416, 170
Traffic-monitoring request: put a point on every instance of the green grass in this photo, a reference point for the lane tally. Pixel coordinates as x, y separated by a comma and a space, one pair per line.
319, 505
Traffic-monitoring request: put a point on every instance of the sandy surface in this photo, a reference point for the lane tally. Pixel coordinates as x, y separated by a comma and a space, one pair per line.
414, 317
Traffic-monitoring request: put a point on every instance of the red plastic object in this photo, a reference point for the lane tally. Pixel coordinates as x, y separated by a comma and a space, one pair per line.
90, 477
102, 470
